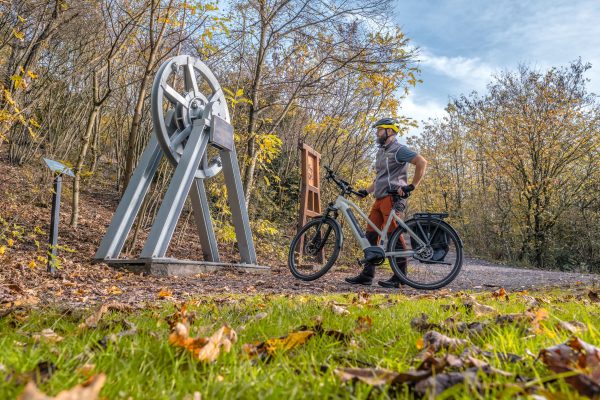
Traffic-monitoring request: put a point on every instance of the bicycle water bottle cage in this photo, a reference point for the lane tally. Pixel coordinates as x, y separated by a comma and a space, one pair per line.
373, 255
427, 215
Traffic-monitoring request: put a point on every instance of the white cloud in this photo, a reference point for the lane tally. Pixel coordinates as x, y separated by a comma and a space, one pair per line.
421, 110
470, 72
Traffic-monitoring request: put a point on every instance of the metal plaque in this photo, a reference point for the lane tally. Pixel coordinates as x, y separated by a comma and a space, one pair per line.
59, 168
221, 134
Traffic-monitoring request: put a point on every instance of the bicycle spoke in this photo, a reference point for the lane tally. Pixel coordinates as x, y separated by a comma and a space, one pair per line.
435, 264
314, 251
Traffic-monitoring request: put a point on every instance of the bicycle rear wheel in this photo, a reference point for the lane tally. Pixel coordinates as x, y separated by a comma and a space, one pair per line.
437, 263
315, 249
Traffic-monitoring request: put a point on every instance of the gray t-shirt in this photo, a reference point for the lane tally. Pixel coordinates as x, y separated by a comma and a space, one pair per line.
391, 165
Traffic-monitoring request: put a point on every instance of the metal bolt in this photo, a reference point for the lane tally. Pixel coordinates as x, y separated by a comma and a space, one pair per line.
194, 105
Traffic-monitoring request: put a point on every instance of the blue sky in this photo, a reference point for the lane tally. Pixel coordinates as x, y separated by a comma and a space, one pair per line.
464, 42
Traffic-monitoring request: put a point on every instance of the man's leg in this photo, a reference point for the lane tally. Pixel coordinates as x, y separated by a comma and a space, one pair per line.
368, 273
394, 281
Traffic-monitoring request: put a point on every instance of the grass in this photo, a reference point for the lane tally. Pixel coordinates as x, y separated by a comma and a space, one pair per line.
145, 366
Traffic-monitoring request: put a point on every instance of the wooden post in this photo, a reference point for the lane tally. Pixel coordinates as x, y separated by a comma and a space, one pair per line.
310, 191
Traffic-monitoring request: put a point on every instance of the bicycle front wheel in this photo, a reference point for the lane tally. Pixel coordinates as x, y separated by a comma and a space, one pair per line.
315, 249
434, 265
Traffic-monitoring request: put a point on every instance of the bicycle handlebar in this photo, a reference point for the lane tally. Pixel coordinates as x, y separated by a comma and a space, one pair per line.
348, 189
345, 186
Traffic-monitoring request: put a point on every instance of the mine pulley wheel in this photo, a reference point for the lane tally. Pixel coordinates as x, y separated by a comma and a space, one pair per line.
184, 90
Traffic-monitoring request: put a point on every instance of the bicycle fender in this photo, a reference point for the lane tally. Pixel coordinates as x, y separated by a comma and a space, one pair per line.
441, 222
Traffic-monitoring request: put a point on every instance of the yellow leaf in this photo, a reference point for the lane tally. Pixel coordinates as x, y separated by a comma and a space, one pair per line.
32, 75
18, 34
420, 343
203, 349
239, 92
271, 346
89, 390
114, 290
18, 81
164, 292
31, 264
2, 250
10, 242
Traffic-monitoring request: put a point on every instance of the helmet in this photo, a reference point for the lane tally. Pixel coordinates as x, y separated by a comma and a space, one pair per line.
390, 123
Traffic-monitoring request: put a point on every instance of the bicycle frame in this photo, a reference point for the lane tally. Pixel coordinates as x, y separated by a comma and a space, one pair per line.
346, 206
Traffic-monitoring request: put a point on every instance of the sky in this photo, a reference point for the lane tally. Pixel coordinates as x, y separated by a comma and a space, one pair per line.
462, 43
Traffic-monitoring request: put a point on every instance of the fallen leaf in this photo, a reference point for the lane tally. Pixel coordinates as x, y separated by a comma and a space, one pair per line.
47, 335
594, 296
86, 391
571, 327
92, 320
478, 309
164, 293
435, 341
363, 324
500, 294
433, 386
422, 324
203, 349
339, 310
578, 357
273, 345
114, 290
380, 376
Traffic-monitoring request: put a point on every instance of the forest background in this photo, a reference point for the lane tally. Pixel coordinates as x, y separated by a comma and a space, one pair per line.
517, 166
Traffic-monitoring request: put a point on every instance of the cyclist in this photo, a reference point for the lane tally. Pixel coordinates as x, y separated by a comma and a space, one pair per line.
391, 166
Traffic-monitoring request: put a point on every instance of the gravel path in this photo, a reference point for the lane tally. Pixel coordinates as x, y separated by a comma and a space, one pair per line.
475, 275
93, 284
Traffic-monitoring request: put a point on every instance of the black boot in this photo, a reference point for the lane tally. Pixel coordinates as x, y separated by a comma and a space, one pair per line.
393, 282
365, 277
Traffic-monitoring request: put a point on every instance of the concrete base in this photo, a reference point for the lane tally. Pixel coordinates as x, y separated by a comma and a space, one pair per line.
175, 267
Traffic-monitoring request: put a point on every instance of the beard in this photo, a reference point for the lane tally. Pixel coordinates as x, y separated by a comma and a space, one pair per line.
381, 140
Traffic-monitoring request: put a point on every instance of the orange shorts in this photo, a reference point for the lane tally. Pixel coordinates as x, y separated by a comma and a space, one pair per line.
380, 212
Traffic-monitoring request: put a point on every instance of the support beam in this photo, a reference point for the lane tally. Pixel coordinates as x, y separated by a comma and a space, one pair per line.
131, 202
204, 224
237, 204
179, 188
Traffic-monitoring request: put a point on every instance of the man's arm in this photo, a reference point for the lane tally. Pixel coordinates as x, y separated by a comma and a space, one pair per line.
420, 164
371, 187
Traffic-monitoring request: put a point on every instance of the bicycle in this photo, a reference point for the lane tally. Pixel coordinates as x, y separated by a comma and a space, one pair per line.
430, 247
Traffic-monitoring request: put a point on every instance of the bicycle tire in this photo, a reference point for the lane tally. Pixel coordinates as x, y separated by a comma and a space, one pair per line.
295, 269
412, 279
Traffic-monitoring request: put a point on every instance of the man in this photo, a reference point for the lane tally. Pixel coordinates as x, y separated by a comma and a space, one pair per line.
391, 166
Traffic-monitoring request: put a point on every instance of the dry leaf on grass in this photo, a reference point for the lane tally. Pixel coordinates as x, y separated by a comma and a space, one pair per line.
435, 341
478, 309
379, 376
86, 391
47, 335
203, 348
273, 345
339, 310
500, 294
575, 355
363, 324
164, 293
572, 326
92, 320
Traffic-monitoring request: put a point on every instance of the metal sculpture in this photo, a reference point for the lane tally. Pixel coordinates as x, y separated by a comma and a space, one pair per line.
189, 115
